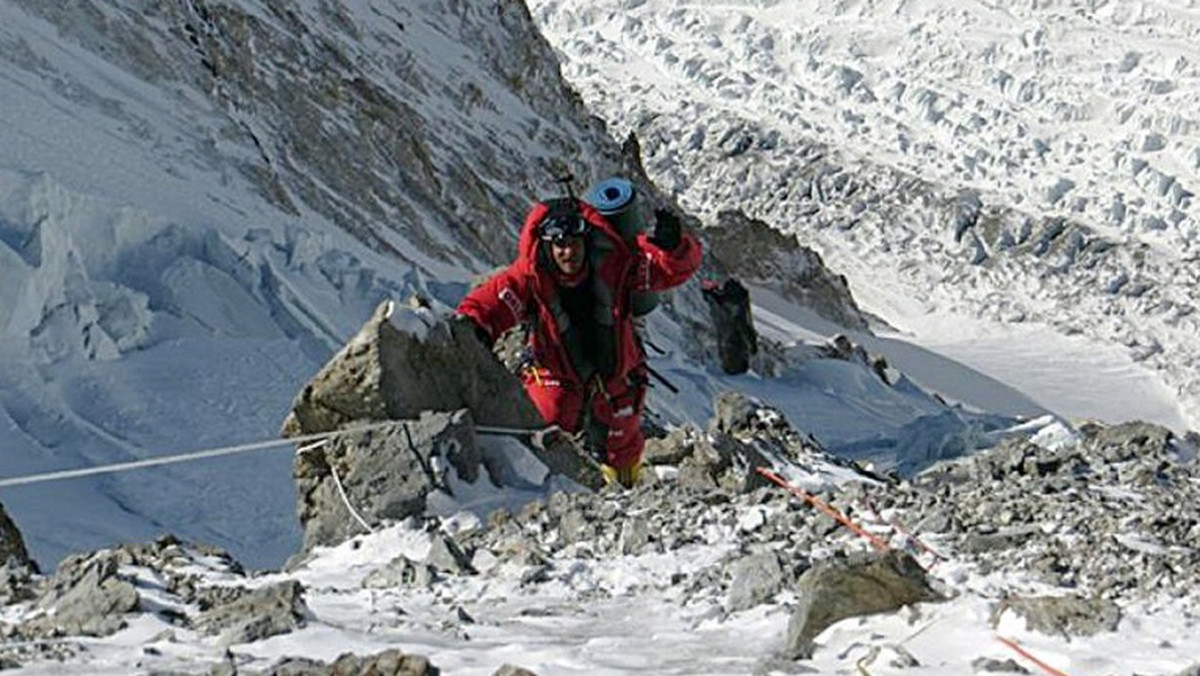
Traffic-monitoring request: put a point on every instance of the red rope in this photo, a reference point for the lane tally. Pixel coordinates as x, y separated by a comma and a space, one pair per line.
1027, 655
895, 523
824, 507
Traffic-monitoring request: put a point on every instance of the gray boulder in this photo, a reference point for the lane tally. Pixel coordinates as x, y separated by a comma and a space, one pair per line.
385, 473
390, 662
756, 579
15, 582
1128, 441
510, 670
401, 572
405, 361
988, 665
1062, 615
862, 584
12, 546
743, 435
446, 556
239, 615
85, 597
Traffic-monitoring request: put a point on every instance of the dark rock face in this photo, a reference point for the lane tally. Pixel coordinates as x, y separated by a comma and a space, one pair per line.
12, 546
375, 147
761, 255
834, 590
15, 582
729, 310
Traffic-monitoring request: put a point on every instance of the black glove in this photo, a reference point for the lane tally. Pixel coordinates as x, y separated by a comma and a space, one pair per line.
667, 230
478, 331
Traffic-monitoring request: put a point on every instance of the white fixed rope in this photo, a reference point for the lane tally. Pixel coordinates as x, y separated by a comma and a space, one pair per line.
187, 457
313, 441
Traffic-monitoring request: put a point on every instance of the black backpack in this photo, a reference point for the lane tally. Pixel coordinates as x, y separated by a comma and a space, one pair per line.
729, 307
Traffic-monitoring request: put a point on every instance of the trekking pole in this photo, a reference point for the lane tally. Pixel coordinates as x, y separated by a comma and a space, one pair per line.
660, 378
649, 343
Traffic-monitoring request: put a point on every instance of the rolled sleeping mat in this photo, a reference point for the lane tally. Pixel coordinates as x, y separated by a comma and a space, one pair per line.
616, 199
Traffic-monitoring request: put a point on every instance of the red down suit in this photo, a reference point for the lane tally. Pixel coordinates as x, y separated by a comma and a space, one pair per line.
526, 292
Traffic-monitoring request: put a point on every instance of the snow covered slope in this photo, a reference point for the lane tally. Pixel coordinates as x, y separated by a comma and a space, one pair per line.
200, 201
1029, 163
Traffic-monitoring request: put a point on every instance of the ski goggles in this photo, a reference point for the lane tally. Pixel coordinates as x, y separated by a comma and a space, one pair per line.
558, 228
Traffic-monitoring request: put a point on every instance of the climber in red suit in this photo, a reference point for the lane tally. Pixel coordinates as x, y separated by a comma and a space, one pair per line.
571, 285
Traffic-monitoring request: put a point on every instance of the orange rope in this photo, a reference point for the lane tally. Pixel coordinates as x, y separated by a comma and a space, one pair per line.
899, 527
824, 507
1026, 654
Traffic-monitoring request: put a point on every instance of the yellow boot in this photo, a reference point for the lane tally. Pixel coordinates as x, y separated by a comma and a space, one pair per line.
626, 476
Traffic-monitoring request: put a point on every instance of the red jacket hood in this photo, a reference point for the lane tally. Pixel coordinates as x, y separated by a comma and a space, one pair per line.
527, 246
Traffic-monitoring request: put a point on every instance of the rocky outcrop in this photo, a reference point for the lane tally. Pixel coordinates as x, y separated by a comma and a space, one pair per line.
1113, 515
1068, 615
730, 312
760, 255
380, 475
405, 362
15, 565
15, 582
743, 434
86, 596
12, 545
390, 662
374, 141
241, 615
836, 589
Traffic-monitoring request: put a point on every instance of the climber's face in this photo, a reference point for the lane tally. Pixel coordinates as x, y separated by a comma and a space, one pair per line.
567, 254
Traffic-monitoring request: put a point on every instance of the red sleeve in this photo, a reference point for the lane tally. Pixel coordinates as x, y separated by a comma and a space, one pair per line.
499, 303
658, 270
